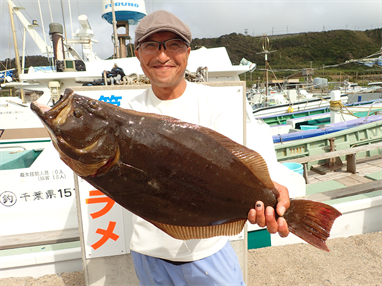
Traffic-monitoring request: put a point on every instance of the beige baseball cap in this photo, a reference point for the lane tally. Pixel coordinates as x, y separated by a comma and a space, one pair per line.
159, 21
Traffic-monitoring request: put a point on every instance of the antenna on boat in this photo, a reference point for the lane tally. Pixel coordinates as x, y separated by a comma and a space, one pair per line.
266, 48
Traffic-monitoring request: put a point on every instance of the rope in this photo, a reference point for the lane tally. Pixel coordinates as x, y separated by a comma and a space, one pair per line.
135, 79
337, 104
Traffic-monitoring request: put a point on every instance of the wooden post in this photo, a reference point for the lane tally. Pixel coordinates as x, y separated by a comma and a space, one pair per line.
305, 166
351, 163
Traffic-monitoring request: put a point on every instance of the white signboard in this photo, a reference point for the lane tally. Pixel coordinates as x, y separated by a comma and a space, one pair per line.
102, 223
37, 199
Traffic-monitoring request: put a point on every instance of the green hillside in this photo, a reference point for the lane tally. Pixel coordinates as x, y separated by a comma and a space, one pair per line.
298, 50
295, 52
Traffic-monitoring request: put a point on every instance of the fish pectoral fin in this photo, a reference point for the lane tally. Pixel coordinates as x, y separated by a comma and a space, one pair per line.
200, 232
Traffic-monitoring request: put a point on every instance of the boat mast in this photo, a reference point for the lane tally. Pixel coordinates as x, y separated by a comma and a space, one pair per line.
63, 20
266, 52
17, 56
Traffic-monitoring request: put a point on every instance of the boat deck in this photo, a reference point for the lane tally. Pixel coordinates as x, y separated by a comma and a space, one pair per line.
368, 169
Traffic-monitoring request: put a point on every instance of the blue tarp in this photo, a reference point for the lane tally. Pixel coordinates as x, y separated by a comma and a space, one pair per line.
371, 62
323, 131
6, 73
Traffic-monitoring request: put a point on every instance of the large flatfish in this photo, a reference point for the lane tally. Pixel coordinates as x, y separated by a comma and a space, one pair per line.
188, 180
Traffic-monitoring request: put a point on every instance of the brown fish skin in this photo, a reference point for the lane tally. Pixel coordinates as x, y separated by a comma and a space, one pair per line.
190, 181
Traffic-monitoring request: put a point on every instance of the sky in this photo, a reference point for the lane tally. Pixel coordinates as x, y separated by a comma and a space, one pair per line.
205, 18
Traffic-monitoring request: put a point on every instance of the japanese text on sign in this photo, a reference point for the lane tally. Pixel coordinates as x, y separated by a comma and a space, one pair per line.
9, 199
116, 100
44, 175
106, 233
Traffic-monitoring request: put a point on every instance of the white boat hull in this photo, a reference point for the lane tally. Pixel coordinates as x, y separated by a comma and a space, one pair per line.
299, 106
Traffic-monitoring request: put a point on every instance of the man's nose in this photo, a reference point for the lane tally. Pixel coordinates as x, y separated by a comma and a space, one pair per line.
162, 54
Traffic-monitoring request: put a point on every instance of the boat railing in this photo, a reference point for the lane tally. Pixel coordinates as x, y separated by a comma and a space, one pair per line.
12, 147
361, 93
368, 113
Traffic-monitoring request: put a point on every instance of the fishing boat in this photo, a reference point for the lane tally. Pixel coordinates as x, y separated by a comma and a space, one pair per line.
354, 88
357, 195
281, 119
310, 134
289, 102
318, 122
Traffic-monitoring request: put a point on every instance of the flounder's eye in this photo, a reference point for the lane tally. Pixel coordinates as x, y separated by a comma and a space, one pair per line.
93, 104
77, 112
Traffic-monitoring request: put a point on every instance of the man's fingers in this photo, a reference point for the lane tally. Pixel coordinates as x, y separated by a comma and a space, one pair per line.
283, 201
266, 217
271, 220
282, 227
252, 216
260, 217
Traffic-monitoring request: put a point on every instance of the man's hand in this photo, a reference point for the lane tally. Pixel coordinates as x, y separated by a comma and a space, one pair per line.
266, 217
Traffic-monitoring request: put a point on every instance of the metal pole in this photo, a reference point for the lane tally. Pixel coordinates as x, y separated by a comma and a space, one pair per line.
266, 79
17, 56
116, 41
63, 19
23, 57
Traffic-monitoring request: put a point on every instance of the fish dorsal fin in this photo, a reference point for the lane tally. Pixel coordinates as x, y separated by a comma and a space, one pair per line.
253, 160
201, 232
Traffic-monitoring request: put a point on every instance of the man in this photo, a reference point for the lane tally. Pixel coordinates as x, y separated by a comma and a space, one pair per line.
162, 45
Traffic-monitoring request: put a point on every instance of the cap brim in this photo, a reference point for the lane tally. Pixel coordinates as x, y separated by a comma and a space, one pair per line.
163, 30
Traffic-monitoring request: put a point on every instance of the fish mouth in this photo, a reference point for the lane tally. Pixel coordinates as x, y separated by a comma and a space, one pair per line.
56, 114
53, 117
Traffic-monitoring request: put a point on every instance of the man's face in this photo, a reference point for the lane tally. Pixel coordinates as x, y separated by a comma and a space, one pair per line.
164, 68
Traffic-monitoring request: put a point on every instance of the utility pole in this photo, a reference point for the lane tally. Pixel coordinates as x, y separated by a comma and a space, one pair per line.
17, 56
266, 52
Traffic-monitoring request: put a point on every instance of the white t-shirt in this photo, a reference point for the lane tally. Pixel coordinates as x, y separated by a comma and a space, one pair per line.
210, 108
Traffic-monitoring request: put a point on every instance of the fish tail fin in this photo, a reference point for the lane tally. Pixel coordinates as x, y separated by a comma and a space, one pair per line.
311, 221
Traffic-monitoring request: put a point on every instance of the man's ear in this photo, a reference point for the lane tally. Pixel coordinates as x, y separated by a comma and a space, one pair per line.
137, 54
